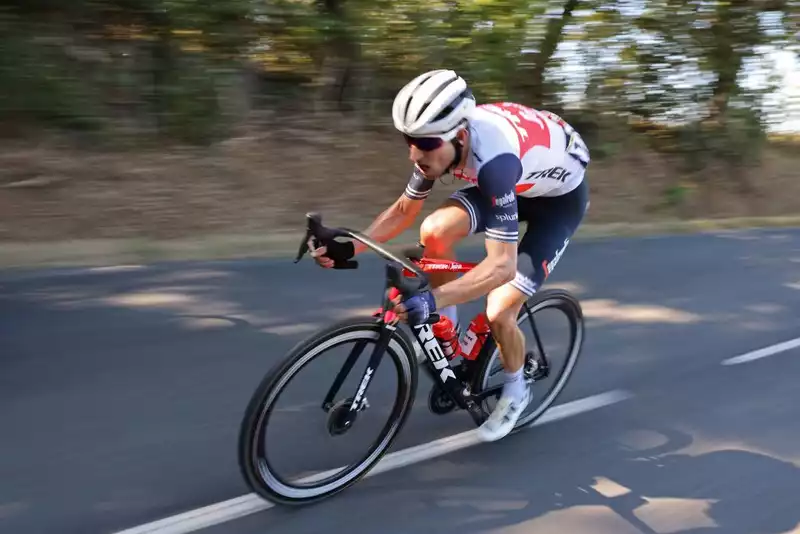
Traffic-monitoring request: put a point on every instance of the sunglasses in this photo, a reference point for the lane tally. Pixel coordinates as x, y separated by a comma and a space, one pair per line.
426, 144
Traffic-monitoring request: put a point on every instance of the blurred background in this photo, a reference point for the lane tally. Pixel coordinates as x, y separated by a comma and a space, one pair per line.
176, 118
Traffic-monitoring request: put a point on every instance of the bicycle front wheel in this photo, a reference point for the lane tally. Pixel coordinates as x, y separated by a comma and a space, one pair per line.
545, 379
260, 470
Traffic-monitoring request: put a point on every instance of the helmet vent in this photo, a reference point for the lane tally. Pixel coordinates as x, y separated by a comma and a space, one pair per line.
431, 98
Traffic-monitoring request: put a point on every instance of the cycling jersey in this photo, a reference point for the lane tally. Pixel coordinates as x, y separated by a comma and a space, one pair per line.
519, 160
552, 154
515, 151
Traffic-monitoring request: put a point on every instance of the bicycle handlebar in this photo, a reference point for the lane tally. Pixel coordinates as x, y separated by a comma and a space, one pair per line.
408, 287
316, 229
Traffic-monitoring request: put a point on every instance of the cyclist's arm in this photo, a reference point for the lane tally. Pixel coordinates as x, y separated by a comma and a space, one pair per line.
395, 219
497, 180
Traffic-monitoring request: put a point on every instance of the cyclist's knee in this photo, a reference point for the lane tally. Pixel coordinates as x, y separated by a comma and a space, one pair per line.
444, 227
502, 306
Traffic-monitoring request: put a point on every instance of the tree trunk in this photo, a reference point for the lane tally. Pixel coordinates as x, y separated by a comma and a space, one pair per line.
339, 59
555, 27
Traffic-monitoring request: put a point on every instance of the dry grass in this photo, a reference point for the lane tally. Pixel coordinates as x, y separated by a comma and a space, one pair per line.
262, 183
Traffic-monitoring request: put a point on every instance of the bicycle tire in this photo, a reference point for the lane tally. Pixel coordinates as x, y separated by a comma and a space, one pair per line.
256, 469
549, 298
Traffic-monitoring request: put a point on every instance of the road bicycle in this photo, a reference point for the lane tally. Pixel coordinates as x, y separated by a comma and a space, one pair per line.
461, 385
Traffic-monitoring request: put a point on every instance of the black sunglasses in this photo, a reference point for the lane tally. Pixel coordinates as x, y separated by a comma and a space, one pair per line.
425, 144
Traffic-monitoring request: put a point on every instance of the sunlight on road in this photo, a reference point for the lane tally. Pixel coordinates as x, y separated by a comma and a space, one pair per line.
204, 323
660, 515
573, 287
672, 515
291, 329
608, 488
766, 308
188, 275
596, 519
115, 269
194, 307
612, 311
151, 299
704, 445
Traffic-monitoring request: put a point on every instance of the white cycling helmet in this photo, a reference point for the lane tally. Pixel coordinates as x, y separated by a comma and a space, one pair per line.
434, 104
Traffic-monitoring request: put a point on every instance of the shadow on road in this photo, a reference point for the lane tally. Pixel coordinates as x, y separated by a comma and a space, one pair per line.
611, 489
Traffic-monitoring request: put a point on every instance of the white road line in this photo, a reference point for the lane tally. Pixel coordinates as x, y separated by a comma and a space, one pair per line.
231, 509
763, 353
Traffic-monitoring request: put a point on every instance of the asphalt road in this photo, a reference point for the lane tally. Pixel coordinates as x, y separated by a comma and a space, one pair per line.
121, 393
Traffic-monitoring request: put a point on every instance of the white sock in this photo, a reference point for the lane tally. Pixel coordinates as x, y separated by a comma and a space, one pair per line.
514, 385
451, 313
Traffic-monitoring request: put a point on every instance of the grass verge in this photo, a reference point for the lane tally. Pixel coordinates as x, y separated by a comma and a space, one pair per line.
105, 252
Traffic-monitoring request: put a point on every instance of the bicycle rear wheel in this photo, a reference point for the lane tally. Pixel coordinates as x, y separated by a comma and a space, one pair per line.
538, 369
260, 473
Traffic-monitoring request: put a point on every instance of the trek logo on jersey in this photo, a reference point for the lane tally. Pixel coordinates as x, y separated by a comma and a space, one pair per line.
505, 217
505, 200
555, 173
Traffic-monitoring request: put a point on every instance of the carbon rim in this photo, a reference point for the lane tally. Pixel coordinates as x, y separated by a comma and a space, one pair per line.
332, 480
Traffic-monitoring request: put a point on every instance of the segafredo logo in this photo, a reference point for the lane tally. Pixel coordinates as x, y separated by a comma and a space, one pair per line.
549, 266
505, 200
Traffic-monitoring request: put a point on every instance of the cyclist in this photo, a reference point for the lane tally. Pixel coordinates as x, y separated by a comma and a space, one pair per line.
523, 165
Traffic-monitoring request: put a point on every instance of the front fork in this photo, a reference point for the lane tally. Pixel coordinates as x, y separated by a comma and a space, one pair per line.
359, 398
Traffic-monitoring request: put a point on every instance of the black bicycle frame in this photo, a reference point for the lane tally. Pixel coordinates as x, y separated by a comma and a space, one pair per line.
441, 372
439, 368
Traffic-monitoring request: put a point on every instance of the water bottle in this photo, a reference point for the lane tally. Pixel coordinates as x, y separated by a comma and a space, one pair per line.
473, 339
445, 332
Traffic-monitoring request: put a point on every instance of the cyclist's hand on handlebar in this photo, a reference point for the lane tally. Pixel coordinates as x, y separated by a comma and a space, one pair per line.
318, 253
329, 253
415, 310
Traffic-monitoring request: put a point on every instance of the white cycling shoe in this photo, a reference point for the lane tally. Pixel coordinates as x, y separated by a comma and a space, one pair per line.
505, 415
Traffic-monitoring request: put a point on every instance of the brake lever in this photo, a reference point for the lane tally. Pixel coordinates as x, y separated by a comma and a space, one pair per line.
409, 287
303, 247
315, 229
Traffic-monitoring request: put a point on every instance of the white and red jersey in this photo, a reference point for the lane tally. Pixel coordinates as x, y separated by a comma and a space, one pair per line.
515, 153
553, 155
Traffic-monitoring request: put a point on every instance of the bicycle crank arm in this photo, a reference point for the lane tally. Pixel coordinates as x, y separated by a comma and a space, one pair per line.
479, 416
492, 391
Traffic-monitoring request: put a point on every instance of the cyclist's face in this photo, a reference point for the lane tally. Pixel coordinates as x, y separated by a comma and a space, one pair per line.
431, 155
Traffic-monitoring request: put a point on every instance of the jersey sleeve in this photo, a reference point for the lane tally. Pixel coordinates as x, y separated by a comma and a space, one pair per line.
418, 187
497, 180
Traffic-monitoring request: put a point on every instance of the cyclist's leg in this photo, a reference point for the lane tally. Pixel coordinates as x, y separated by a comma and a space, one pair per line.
551, 223
439, 233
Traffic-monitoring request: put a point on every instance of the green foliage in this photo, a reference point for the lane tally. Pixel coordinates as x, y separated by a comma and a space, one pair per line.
673, 67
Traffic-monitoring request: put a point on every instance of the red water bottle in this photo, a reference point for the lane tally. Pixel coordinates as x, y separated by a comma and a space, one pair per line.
445, 332
475, 337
